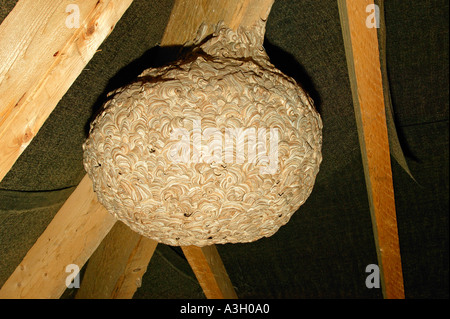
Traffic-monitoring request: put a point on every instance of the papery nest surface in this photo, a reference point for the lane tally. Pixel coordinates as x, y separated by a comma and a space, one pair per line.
218, 147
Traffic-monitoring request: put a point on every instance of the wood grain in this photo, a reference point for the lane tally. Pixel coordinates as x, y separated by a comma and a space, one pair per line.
363, 59
71, 238
210, 272
188, 15
40, 58
116, 268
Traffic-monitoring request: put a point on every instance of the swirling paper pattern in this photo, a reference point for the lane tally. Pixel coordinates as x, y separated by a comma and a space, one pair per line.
225, 86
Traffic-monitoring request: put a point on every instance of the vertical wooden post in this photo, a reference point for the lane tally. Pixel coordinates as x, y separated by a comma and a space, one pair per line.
363, 59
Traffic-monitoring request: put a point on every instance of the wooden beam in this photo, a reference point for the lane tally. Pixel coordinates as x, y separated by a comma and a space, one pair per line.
42, 52
131, 278
116, 268
363, 59
188, 15
210, 271
71, 238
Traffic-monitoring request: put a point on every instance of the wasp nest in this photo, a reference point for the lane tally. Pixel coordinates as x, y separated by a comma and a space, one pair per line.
218, 147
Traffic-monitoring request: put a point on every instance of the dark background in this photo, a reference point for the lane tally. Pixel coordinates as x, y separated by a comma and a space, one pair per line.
323, 251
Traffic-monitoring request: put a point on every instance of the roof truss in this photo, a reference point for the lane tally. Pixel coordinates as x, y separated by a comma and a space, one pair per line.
38, 67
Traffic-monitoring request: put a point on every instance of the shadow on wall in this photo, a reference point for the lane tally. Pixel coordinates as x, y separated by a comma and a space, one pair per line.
152, 58
287, 64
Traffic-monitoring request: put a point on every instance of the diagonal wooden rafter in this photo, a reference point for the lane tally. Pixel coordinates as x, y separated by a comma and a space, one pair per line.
210, 272
187, 16
71, 238
116, 268
40, 58
363, 59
